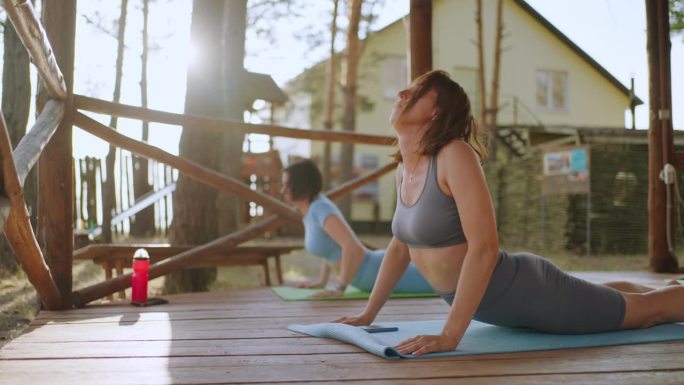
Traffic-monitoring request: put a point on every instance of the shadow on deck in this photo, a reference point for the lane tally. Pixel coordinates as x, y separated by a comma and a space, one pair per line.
241, 337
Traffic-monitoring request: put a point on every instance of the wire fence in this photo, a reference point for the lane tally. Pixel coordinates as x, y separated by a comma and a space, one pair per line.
611, 218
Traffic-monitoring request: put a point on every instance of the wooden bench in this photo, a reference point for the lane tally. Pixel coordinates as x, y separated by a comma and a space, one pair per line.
115, 257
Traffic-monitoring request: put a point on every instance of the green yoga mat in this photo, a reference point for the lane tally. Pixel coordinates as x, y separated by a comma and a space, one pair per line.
295, 294
481, 338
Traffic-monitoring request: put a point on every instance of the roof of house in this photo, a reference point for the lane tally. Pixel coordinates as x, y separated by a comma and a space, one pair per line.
262, 86
566, 40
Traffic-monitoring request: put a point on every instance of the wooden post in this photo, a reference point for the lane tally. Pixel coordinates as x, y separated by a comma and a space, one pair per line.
15, 223
55, 195
420, 37
659, 134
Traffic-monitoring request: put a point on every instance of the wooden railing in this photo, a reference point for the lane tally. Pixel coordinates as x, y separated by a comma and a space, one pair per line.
15, 168
205, 175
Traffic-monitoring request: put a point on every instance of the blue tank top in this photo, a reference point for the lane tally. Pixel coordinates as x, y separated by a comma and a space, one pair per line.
432, 221
316, 240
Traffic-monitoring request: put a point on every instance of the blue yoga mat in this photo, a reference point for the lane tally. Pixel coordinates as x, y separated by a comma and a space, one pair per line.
482, 338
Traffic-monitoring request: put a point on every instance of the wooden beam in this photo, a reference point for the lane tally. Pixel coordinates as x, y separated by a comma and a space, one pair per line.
55, 228
191, 169
420, 37
32, 144
34, 38
18, 230
179, 261
221, 125
353, 184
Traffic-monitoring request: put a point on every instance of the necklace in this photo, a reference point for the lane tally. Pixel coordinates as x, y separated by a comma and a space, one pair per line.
413, 171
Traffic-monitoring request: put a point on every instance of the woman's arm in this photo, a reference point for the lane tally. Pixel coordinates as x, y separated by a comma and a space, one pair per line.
322, 277
467, 185
353, 252
393, 266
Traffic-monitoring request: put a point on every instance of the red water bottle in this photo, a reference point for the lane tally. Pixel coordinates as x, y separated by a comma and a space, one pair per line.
141, 266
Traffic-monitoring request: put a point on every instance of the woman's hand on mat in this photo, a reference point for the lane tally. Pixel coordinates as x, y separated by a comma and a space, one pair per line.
310, 285
423, 344
327, 293
355, 320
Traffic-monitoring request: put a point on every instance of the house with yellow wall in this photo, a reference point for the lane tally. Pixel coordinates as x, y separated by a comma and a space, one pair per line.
545, 80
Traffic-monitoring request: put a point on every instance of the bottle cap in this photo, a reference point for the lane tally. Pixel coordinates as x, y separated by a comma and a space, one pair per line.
141, 254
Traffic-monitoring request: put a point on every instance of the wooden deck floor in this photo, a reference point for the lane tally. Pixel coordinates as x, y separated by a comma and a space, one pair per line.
241, 337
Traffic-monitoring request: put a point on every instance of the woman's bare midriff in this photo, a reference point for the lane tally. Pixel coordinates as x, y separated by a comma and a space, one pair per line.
441, 267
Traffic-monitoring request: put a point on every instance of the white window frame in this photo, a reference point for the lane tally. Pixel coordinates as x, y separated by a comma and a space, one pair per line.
549, 75
392, 83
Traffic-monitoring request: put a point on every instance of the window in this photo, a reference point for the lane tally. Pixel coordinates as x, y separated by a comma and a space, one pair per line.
394, 76
552, 90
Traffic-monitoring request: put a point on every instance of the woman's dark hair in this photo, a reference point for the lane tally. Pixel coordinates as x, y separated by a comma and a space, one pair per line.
454, 118
305, 179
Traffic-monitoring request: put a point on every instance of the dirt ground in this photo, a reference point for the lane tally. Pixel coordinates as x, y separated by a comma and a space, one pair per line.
19, 303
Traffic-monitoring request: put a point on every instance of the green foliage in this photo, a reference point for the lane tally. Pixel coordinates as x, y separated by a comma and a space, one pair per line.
676, 16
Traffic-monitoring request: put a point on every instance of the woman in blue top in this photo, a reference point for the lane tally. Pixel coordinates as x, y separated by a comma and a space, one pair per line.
328, 235
444, 223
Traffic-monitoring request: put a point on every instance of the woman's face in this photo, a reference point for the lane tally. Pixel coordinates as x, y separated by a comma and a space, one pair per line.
421, 112
285, 187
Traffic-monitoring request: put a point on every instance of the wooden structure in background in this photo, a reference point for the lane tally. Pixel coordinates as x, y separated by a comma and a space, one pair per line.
49, 143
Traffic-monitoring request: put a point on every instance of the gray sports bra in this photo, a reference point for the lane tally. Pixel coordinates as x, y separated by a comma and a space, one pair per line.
432, 221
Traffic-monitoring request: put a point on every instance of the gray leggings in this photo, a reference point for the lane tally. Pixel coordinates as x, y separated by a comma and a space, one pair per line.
526, 290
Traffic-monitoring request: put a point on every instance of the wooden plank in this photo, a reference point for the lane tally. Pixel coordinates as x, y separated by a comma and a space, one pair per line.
32, 144
148, 115
109, 252
34, 38
264, 367
158, 374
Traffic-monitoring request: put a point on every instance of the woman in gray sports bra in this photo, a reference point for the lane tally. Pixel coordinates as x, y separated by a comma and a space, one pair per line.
444, 222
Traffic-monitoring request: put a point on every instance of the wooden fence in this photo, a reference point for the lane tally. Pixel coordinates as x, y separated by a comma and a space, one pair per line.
89, 183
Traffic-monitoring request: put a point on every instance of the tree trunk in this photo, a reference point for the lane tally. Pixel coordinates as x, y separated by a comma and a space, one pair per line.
195, 217
109, 189
143, 225
481, 66
349, 118
330, 97
231, 75
16, 101
493, 109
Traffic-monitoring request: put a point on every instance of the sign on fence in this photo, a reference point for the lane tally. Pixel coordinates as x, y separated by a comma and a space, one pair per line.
566, 171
